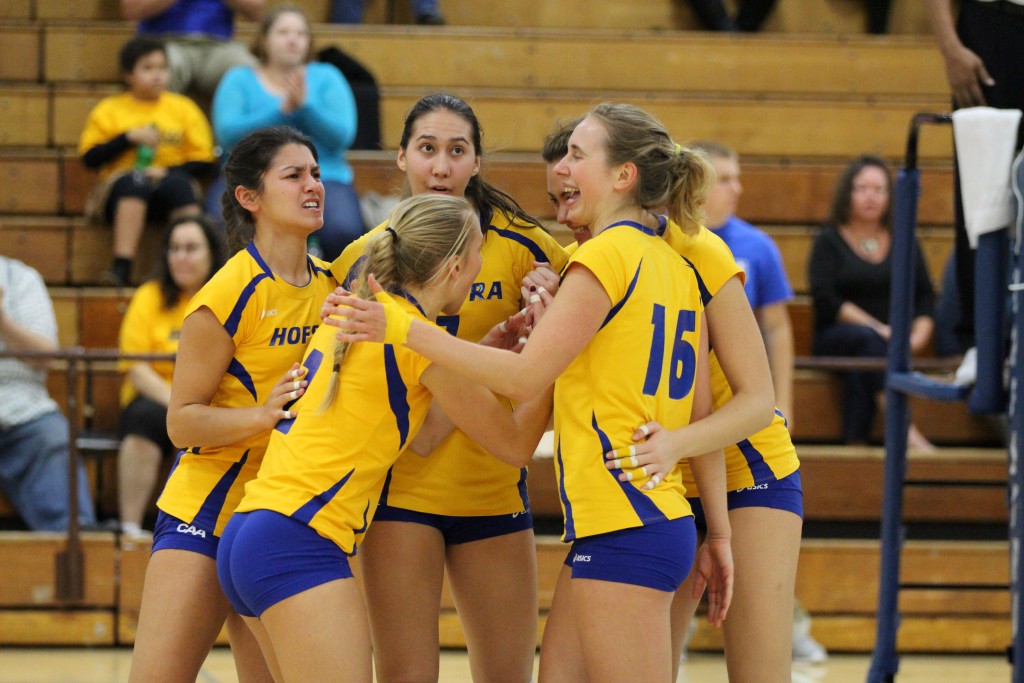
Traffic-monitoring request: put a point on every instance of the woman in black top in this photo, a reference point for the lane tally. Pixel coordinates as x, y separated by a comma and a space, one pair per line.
849, 273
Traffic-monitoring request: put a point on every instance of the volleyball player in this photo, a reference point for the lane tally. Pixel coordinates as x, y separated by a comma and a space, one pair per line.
248, 326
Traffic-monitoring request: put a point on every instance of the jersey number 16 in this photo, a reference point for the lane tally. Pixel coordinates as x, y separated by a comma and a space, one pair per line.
683, 358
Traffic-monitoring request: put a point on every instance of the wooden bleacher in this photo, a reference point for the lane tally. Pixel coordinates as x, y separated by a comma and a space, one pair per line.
837, 582
797, 101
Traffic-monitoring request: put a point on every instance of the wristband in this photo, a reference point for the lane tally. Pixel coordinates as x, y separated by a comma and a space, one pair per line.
396, 320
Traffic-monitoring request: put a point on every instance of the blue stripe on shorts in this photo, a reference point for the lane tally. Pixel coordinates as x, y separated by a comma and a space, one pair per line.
781, 494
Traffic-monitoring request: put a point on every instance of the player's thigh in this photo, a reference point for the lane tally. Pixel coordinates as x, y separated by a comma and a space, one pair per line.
561, 654
402, 570
322, 634
183, 609
758, 630
494, 583
601, 608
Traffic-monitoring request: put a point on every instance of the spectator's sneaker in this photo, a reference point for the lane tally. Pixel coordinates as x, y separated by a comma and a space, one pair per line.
430, 20
968, 370
806, 650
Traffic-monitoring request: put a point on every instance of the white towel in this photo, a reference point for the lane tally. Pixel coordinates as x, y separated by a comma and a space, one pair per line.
985, 140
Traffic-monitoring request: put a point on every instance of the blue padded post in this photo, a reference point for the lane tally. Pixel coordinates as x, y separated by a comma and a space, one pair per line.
884, 660
990, 278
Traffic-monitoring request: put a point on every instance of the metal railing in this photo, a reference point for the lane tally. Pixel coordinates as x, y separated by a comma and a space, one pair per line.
70, 562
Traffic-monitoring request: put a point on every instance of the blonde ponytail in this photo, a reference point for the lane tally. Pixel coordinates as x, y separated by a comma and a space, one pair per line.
423, 233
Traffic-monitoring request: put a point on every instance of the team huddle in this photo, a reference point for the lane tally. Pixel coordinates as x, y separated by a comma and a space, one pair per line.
389, 403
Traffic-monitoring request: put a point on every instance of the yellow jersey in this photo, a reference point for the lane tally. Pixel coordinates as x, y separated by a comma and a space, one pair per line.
185, 134
769, 454
640, 366
326, 466
460, 478
270, 323
148, 327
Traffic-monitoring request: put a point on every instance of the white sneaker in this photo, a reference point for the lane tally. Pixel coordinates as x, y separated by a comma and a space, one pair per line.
806, 650
967, 373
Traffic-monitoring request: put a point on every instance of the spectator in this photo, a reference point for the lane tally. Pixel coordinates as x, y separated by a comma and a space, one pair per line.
850, 277
313, 97
149, 145
425, 12
198, 35
714, 16
34, 445
193, 250
767, 287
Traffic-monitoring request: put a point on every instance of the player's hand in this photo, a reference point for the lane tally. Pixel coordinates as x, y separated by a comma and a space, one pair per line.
510, 334
332, 305
144, 135
542, 276
381, 320
651, 457
289, 388
536, 300
714, 571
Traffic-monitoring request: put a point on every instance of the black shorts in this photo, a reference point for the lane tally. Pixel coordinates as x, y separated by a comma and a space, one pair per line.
146, 418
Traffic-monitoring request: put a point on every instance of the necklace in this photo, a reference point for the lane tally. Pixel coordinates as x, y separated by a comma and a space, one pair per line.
869, 245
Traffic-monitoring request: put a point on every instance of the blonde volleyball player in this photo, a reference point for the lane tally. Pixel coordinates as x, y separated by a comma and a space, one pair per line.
633, 541
459, 511
763, 479
245, 328
283, 560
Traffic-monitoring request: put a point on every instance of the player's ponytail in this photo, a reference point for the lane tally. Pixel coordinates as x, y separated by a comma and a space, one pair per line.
423, 234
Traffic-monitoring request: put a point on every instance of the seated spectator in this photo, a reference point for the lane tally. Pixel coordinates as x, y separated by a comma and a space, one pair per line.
34, 445
313, 97
424, 12
193, 250
714, 16
198, 36
149, 146
850, 278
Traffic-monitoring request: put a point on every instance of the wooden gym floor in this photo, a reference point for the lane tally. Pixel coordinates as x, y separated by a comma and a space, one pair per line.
110, 665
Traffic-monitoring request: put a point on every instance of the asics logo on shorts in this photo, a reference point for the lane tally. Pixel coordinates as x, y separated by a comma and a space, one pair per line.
756, 487
189, 529
580, 558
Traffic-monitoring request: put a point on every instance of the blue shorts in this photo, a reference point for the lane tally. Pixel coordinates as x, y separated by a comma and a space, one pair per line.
458, 530
173, 533
655, 556
782, 494
266, 557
